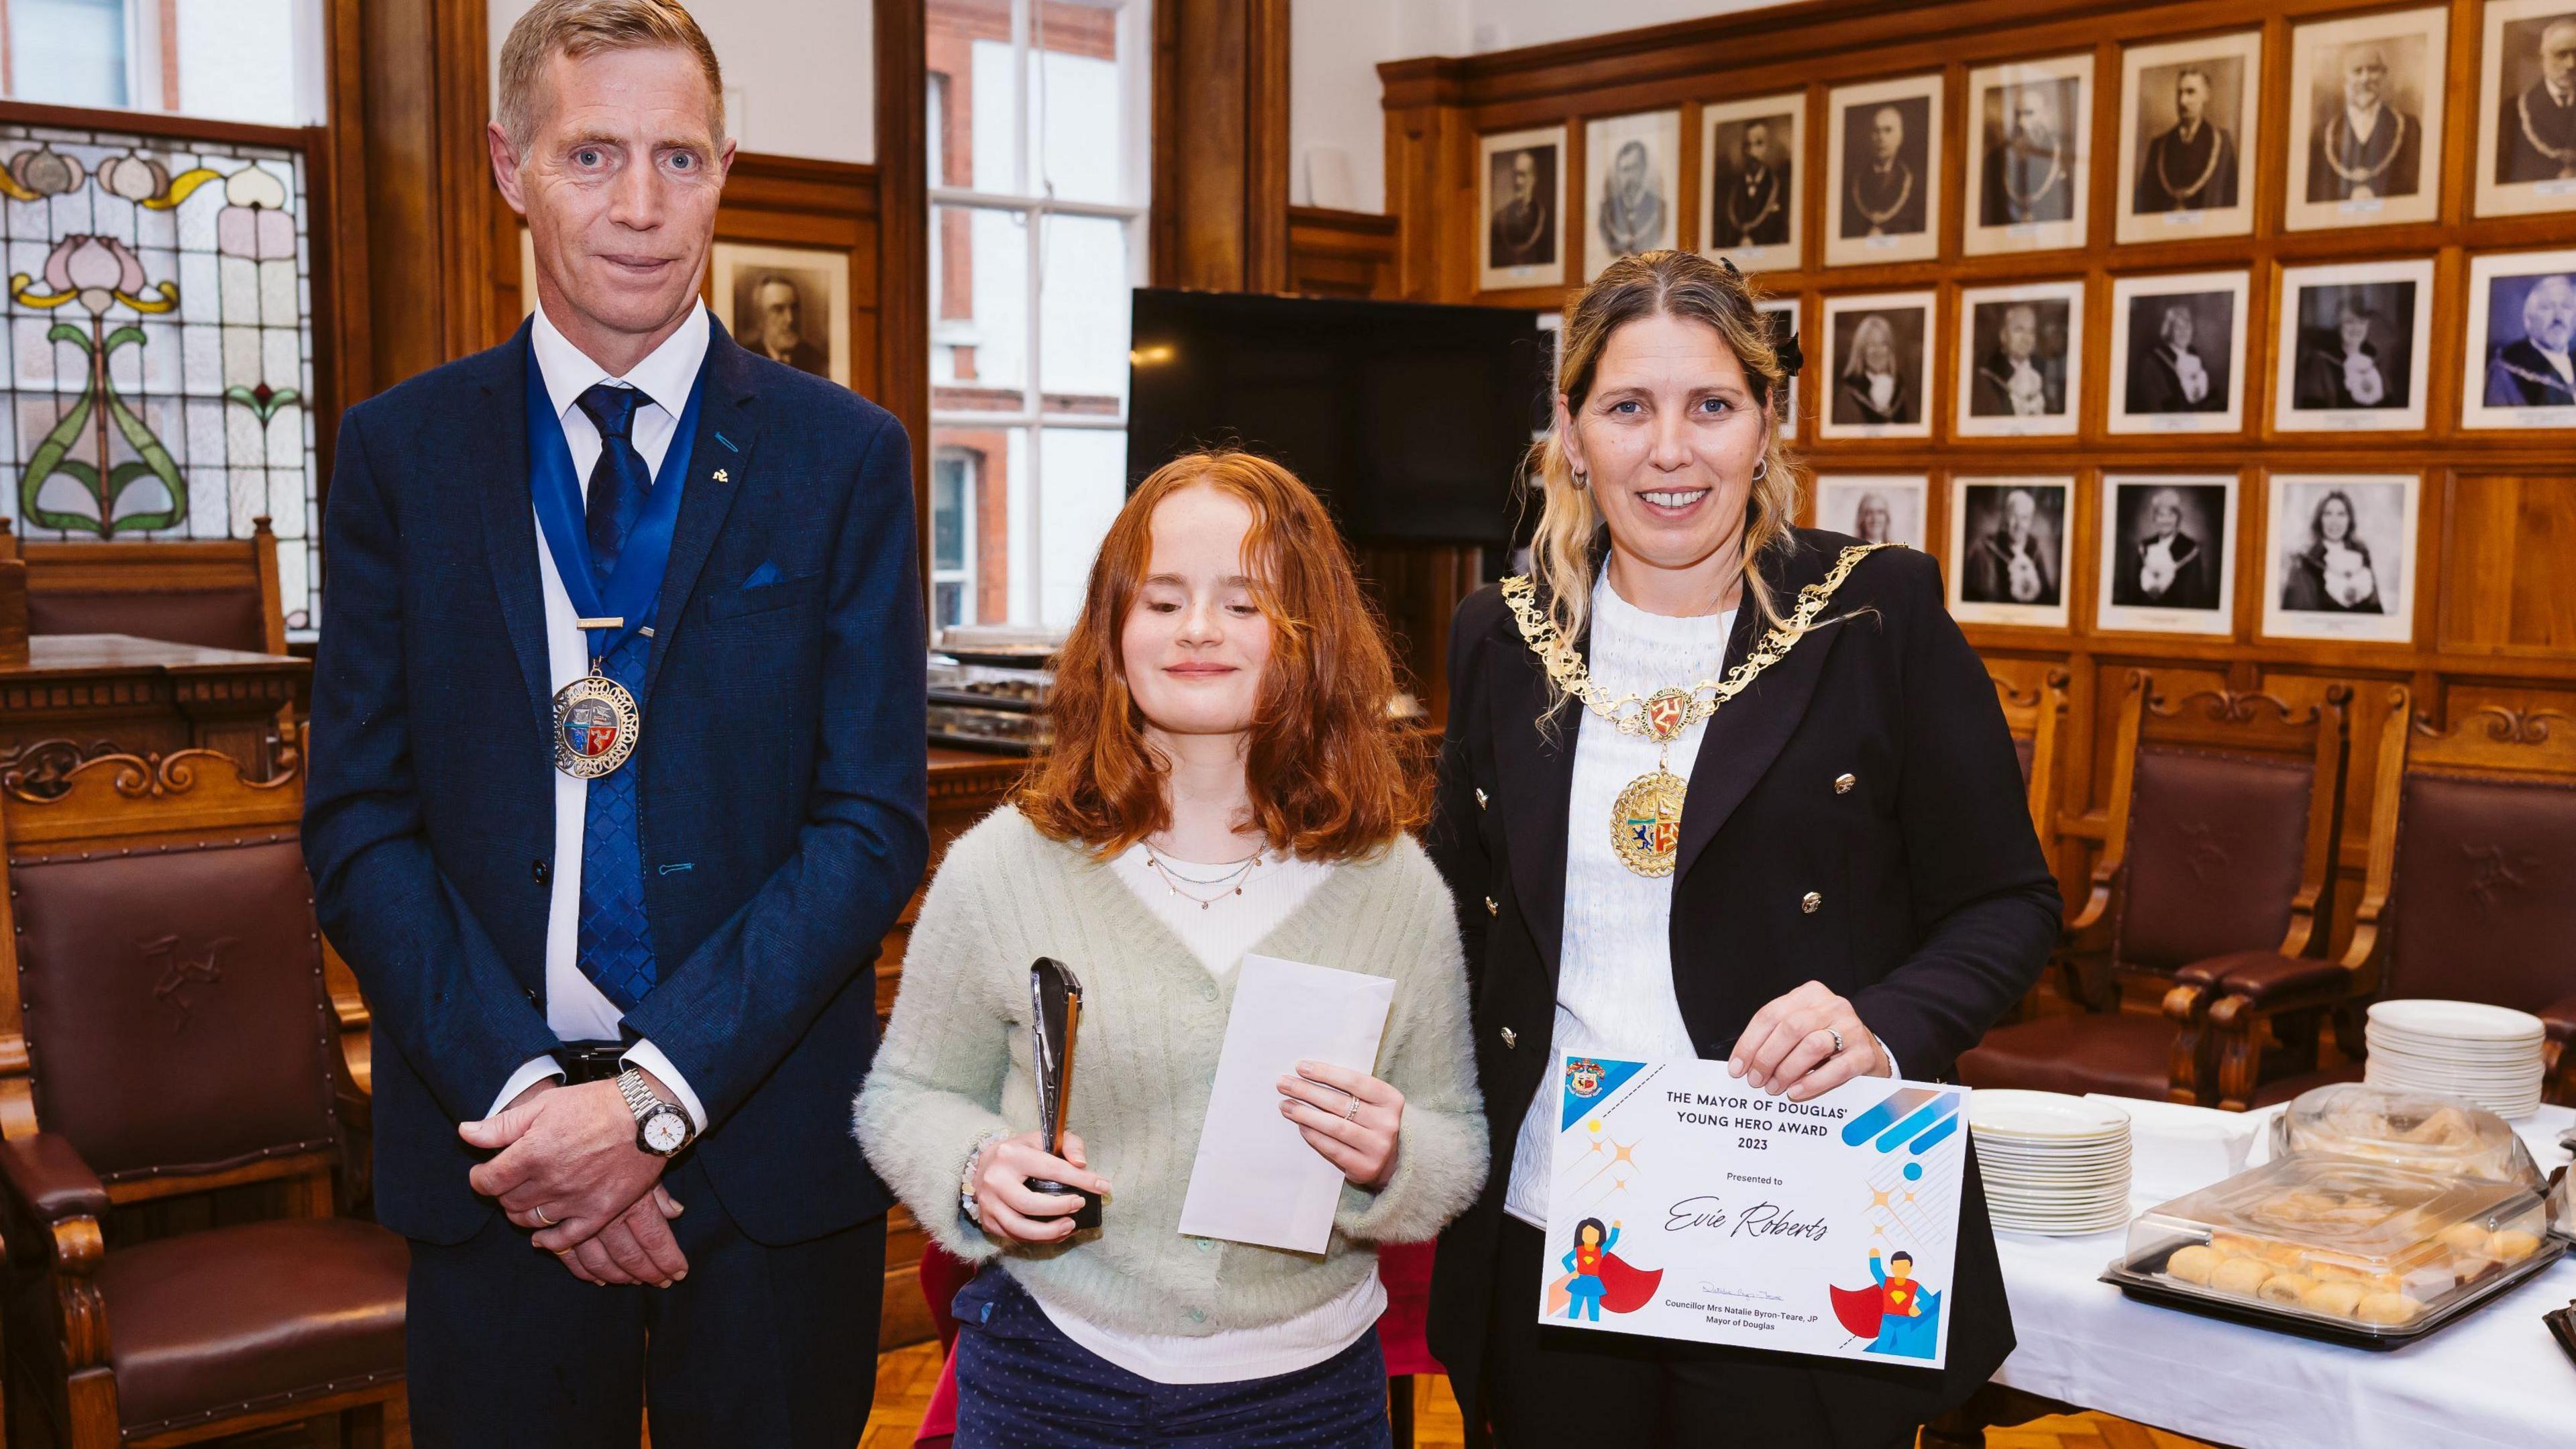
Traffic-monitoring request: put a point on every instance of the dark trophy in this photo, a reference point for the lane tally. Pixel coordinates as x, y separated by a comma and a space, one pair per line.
1055, 999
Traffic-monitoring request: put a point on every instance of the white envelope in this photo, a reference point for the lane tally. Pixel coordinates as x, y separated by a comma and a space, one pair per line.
1256, 1180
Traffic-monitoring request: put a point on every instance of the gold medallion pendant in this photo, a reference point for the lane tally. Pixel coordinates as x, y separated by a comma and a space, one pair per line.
1646, 819
1646, 822
596, 726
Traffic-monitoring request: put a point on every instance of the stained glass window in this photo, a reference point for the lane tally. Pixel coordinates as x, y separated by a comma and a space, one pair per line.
160, 343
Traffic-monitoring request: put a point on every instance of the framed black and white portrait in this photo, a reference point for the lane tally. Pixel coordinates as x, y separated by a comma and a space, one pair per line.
2021, 360
2342, 557
1634, 189
1883, 165
1749, 211
2168, 551
2527, 108
2353, 347
2028, 123
1874, 508
2178, 353
1782, 313
1877, 366
2190, 126
2522, 323
2366, 119
2009, 543
1521, 178
790, 304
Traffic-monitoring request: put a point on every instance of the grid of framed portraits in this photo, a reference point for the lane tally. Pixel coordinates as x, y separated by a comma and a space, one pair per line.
2021, 360
2178, 353
2009, 544
1750, 203
2168, 551
1632, 197
1520, 179
2027, 189
2338, 563
1875, 507
2362, 143
2352, 347
1878, 353
2522, 322
1883, 171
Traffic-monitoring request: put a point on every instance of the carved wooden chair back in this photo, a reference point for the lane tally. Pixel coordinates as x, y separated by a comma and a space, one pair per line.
2224, 813
219, 593
2037, 719
2475, 888
162, 1003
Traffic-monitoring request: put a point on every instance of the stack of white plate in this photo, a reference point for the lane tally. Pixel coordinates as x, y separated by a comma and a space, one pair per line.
2488, 1055
2052, 1164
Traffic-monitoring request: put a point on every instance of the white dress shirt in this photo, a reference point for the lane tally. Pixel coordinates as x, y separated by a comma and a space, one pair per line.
575, 1007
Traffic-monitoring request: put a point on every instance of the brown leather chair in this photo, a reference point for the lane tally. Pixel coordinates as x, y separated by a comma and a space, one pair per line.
179, 1041
217, 593
2222, 819
2470, 894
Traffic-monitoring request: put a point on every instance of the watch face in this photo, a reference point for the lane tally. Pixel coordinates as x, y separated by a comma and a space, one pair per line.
664, 1131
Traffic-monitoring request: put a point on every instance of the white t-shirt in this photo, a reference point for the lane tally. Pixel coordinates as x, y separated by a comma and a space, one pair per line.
1220, 935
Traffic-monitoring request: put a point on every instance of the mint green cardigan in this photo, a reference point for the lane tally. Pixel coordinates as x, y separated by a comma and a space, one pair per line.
955, 1064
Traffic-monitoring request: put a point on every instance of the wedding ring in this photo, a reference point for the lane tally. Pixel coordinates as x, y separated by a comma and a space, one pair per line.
542, 1219
1838, 1040
1351, 1110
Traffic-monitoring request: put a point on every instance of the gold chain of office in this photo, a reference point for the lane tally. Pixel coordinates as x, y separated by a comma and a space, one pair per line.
1645, 821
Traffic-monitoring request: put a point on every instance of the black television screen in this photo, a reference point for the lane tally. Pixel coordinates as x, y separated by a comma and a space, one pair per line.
1411, 420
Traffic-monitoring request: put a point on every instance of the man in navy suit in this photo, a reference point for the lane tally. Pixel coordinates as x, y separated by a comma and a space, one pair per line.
619, 778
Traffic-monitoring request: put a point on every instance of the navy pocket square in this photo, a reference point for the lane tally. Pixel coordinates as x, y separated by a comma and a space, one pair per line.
763, 577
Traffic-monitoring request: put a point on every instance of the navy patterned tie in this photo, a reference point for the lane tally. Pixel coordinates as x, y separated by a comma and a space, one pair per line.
615, 945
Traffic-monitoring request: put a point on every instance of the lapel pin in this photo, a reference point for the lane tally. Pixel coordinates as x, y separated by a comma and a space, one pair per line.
720, 476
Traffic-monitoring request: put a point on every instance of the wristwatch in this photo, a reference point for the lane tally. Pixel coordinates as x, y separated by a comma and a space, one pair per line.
661, 1128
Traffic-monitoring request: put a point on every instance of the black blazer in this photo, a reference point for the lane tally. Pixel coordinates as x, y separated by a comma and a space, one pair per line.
1938, 908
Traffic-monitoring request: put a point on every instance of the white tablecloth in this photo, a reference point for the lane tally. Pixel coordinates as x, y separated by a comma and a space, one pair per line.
2493, 1378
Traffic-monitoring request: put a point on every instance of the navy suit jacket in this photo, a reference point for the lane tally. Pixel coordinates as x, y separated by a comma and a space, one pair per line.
783, 779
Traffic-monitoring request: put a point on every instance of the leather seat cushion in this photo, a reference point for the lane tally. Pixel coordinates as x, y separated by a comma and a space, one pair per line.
2289, 1087
2128, 1053
258, 1314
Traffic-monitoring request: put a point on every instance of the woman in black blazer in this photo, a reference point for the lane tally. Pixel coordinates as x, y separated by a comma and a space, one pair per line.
1852, 881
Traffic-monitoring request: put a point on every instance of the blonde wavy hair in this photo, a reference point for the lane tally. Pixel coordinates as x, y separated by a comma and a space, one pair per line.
1656, 284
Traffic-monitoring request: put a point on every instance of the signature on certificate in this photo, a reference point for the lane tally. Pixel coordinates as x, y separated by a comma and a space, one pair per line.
1749, 1295
1764, 1219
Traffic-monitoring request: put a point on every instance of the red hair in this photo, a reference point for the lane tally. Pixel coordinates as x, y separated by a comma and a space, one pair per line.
1332, 776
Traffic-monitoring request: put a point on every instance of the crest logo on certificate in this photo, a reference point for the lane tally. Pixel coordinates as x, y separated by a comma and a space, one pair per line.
1686, 1205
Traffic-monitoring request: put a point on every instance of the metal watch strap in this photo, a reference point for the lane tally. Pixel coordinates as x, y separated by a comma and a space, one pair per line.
639, 1097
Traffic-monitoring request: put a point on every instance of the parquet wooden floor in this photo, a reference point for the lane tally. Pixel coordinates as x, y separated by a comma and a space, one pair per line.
906, 1376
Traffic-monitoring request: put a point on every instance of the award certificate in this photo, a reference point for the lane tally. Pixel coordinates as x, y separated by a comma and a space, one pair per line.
1687, 1205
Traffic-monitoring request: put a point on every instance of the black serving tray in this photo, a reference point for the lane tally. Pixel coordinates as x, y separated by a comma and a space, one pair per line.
2146, 1287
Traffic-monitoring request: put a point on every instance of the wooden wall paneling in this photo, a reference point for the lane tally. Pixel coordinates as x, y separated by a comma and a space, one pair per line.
1220, 209
422, 98
902, 264
1342, 253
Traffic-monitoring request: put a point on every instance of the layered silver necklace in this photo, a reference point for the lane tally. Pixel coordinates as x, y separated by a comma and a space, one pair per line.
1229, 882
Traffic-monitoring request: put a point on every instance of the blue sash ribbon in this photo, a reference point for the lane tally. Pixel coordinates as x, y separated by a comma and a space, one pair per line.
636, 586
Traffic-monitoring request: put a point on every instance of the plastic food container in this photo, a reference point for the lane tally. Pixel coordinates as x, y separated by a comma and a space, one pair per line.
2441, 1135
2339, 1247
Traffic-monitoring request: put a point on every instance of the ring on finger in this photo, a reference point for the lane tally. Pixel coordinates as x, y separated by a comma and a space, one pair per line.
1351, 1110
1837, 1035
542, 1220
